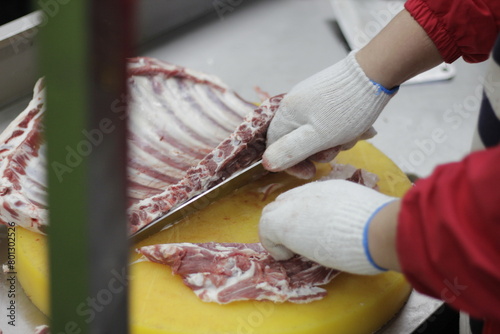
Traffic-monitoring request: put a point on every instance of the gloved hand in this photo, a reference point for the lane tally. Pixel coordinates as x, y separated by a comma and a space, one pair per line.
325, 221
332, 109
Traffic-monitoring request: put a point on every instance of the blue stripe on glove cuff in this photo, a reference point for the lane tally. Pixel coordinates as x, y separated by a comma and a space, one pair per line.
381, 88
365, 238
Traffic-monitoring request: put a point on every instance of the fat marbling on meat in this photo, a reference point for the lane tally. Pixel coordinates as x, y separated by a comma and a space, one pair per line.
187, 131
228, 272
216, 147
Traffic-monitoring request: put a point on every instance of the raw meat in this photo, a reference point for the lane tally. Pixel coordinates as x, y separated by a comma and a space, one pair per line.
241, 143
353, 174
187, 132
227, 272
42, 329
339, 171
22, 167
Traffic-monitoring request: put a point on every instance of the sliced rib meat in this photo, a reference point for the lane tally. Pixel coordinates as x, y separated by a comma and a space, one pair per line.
187, 132
220, 133
227, 272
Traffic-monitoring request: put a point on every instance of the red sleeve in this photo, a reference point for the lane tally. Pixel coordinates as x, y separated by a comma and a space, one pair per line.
448, 237
466, 28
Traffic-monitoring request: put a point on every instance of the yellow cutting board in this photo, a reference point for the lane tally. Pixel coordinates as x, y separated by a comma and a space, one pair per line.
160, 303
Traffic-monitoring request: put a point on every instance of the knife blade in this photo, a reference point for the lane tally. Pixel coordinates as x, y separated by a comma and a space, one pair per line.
235, 181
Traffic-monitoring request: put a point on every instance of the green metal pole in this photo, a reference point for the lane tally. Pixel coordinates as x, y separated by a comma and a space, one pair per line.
83, 50
65, 65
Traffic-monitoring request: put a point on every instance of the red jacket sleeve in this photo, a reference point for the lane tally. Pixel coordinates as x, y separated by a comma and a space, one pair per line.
448, 237
466, 28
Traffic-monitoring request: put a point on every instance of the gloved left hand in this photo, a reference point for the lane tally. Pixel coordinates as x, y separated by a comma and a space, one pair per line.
325, 221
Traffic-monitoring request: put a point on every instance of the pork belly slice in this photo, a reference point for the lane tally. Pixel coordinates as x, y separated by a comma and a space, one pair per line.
187, 131
228, 272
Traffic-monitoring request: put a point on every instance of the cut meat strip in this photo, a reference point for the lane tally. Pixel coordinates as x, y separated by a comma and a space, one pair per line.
187, 132
227, 272
353, 174
339, 171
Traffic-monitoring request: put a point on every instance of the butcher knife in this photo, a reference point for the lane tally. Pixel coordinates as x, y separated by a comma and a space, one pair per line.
235, 181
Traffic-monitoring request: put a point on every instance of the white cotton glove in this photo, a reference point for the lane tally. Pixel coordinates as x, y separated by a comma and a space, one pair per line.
333, 108
325, 221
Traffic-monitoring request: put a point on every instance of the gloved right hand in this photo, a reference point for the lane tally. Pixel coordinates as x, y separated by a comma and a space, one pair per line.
323, 114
